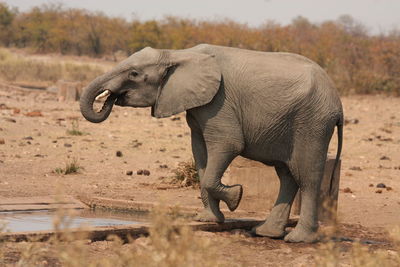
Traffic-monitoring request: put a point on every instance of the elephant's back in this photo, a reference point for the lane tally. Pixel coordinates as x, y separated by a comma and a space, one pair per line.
269, 83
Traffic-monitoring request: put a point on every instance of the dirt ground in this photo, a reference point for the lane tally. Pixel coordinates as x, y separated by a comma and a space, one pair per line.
34, 144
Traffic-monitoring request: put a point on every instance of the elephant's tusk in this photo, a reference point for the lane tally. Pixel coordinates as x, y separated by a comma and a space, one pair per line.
106, 93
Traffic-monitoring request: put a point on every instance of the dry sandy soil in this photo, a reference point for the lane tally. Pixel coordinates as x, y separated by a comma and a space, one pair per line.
35, 144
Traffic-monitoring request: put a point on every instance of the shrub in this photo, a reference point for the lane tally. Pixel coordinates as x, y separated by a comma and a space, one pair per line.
186, 174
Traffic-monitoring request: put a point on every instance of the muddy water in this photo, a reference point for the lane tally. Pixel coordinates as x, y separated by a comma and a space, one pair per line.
44, 220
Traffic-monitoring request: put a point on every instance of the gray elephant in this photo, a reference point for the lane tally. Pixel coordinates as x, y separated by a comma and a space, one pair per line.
277, 108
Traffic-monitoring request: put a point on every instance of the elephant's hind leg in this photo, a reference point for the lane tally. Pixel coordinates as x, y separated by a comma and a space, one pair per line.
274, 225
310, 168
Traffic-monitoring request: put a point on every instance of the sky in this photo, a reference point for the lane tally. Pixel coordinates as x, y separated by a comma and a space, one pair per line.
378, 16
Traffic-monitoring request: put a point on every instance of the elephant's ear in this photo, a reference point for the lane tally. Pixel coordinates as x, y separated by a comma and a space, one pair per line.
191, 81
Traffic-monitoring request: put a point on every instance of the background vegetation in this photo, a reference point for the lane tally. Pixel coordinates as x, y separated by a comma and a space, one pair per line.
357, 62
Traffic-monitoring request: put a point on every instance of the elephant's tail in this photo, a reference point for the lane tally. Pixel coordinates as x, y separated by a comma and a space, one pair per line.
339, 125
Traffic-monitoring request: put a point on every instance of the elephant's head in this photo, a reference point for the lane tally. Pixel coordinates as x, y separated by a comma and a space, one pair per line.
166, 80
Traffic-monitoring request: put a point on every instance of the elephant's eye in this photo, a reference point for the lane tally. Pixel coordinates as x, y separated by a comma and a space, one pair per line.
133, 74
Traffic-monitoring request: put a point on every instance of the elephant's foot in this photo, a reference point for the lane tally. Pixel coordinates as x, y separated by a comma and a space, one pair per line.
269, 230
233, 196
302, 234
207, 215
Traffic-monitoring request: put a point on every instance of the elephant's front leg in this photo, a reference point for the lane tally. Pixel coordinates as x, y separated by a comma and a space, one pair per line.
199, 150
213, 190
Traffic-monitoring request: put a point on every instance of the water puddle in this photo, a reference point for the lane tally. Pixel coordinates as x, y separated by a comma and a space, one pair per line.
43, 220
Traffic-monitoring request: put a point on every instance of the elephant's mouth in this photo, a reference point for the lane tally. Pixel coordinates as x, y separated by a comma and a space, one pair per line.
121, 100
103, 101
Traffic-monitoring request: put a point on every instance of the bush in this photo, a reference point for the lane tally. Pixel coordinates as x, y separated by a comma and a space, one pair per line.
186, 174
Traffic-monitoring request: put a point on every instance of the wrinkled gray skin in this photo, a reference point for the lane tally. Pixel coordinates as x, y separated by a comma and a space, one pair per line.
277, 108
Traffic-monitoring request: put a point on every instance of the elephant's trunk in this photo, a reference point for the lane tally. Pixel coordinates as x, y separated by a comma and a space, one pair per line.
94, 89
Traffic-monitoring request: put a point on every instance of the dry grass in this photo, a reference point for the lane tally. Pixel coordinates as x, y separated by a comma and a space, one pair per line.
75, 128
15, 68
186, 174
70, 168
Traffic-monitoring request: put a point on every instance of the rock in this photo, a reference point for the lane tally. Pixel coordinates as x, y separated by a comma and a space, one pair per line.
10, 120
351, 121
3, 106
67, 145
241, 232
35, 113
135, 143
378, 191
381, 185
347, 190
371, 185
355, 168
2, 141
163, 166
175, 118
118, 153
28, 138
388, 188
129, 173
163, 149
384, 158
143, 172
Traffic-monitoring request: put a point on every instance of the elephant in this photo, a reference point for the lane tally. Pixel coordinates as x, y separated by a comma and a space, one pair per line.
278, 108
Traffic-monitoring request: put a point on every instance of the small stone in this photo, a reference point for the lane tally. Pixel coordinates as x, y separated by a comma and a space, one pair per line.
28, 138
10, 120
118, 153
129, 173
381, 185
351, 121
163, 149
384, 158
378, 191
146, 172
347, 190
371, 185
355, 168
35, 113
139, 172
175, 118
164, 166
67, 145
388, 188
2, 141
